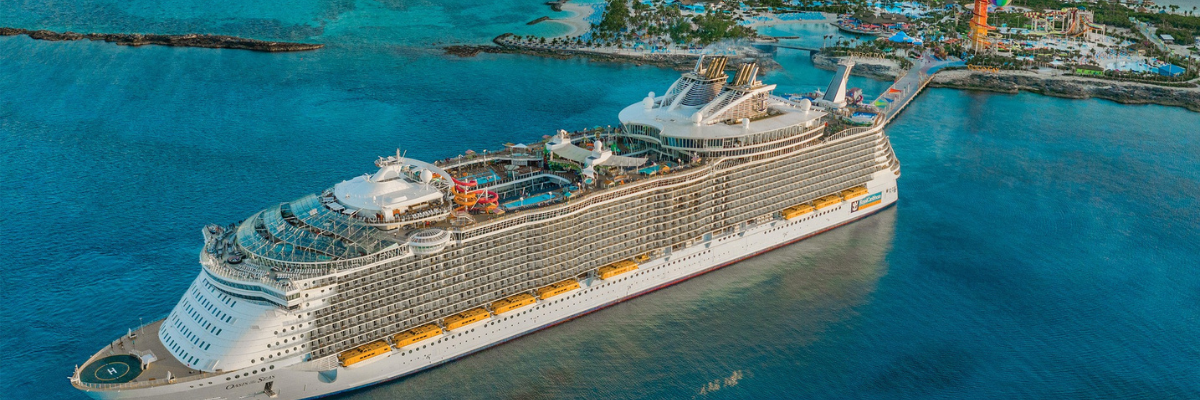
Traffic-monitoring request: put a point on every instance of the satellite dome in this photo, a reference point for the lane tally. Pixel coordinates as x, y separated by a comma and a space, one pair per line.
805, 105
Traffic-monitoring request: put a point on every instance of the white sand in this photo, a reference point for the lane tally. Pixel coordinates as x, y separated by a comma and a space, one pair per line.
576, 21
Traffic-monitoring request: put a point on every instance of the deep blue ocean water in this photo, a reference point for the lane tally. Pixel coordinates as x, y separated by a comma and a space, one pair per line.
1041, 248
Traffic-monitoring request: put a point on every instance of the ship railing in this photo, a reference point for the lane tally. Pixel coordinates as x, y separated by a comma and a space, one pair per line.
112, 344
330, 266
136, 384
849, 132
429, 214
506, 154
143, 384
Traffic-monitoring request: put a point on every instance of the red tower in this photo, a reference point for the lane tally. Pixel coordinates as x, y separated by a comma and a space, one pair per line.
979, 25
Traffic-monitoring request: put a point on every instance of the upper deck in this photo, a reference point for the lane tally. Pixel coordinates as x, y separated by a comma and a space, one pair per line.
413, 207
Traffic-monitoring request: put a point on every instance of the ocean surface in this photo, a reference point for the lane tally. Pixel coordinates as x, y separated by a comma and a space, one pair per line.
1041, 247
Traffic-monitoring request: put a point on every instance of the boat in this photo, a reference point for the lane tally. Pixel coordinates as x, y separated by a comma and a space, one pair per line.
797, 211
363, 353
419, 263
465, 318
414, 335
617, 268
513, 302
557, 289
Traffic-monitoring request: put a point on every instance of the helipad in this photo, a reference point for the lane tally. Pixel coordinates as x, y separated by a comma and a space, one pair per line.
112, 369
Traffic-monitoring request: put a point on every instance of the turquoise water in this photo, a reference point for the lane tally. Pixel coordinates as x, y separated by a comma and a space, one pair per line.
1041, 248
655, 168
483, 179
529, 200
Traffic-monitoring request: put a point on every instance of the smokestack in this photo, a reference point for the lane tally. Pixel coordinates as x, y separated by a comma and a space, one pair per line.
746, 74
716, 67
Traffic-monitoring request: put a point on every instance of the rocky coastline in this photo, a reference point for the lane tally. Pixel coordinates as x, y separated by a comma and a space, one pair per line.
1066, 86
557, 4
188, 40
875, 68
1073, 87
676, 62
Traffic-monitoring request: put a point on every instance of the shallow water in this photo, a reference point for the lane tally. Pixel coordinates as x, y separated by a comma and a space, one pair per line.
1041, 248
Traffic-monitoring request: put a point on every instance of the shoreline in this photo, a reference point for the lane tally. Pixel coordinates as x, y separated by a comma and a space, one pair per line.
1013, 82
678, 62
186, 40
576, 21
1069, 86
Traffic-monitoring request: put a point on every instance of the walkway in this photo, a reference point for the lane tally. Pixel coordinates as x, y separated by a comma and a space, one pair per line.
788, 46
908, 86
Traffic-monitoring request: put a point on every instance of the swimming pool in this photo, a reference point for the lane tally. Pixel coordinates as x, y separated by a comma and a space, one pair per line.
484, 178
529, 200
655, 168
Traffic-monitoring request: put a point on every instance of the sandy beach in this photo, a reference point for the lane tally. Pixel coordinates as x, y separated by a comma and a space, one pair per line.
578, 19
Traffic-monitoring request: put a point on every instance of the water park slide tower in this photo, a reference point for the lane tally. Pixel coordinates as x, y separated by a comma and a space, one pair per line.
979, 23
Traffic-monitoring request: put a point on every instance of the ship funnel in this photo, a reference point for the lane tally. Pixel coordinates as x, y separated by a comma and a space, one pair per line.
707, 82
716, 68
746, 74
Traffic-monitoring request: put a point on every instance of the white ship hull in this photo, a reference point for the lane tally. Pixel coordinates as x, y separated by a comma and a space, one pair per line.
306, 380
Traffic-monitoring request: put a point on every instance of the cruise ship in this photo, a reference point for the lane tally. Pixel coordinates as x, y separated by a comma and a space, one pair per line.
415, 264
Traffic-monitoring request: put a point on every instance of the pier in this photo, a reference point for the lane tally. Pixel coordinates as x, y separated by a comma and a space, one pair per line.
788, 46
906, 87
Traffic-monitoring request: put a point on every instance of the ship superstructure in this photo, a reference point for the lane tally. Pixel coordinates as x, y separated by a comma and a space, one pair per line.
418, 263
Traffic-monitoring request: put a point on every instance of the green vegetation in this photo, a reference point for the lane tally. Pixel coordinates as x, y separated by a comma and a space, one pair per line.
712, 28
626, 21
616, 17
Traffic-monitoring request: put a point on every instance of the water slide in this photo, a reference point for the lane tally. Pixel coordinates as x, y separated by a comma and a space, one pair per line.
461, 183
467, 199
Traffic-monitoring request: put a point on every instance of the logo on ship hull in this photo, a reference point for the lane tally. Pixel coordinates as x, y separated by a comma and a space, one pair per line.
240, 384
865, 202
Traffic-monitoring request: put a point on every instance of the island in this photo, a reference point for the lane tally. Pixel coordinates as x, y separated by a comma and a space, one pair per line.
188, 40
1130, 53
